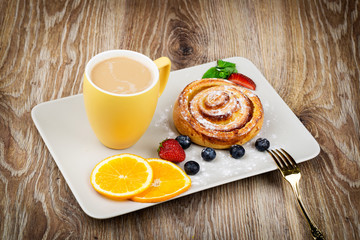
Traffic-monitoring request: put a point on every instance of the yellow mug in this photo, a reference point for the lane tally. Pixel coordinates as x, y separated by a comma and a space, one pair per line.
119, 120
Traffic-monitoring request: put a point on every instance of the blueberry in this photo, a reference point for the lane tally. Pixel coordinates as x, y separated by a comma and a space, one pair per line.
191, 167
262, 144
184, 141
237, 151
208, 154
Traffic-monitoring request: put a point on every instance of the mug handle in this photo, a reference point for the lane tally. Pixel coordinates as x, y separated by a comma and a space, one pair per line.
164, 66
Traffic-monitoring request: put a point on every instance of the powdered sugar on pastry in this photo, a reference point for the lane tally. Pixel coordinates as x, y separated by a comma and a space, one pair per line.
218, 113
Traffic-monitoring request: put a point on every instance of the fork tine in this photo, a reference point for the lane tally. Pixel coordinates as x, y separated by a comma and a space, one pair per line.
281, 159
289, 157
286, 159
275, 157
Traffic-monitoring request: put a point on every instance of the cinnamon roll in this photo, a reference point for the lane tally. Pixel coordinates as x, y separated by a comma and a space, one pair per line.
218, 113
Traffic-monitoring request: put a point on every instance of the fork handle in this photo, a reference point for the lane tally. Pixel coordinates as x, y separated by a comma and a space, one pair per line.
315, 232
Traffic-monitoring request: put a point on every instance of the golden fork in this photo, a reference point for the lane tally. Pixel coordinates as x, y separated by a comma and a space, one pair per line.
291, 173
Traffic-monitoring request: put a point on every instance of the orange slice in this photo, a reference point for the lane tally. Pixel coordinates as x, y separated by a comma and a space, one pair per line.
121, 176
169, 181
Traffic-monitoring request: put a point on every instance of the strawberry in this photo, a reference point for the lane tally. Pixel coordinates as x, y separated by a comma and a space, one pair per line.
171, 150
242, 80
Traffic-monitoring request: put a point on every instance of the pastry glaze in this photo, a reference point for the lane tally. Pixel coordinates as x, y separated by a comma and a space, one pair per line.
218, 113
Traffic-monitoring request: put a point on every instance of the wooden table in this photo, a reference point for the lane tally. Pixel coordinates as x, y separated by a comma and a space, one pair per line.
308, 50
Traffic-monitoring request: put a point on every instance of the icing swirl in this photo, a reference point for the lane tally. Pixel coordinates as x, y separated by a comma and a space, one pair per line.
218, 111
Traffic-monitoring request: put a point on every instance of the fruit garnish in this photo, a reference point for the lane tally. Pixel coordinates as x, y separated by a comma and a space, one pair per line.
237, 151
184, 141
262, 144
169, 181
227, 70
223, 70
191, 167
121, 176
242, 80
171, 150
208, 154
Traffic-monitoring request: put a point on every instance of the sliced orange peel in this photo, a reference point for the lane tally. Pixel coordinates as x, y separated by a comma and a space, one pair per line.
121, 176
128, 176
169, 181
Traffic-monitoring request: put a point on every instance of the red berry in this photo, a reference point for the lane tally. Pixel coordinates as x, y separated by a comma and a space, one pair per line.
242, 80
171, 150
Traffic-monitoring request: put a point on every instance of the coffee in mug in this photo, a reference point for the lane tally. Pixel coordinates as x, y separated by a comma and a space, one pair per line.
121, 89
121, 75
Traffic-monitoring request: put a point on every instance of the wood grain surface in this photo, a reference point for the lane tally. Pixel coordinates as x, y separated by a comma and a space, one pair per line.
308, 50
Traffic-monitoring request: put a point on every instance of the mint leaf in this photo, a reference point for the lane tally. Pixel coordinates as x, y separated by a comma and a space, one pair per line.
224, 64
230, 70
222, 70
211, 73
223, 74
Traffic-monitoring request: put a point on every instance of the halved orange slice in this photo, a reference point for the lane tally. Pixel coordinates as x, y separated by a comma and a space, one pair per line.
122, 176
169, 181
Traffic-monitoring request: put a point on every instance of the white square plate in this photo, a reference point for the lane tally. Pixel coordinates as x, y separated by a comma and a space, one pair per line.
66, 132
